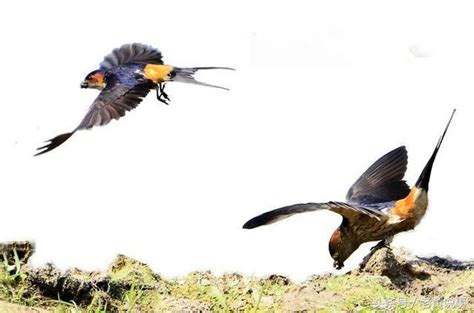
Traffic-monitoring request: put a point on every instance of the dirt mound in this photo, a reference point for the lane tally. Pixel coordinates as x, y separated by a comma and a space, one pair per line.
421, 276
401, 268
387, 279
72, 285
17, 251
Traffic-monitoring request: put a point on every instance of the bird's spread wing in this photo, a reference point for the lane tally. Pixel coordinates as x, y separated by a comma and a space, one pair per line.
282, 213
132, 53
346, 210
112, 103
382, 181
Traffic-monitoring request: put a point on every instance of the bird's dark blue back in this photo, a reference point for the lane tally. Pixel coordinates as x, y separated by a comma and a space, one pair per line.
126, 74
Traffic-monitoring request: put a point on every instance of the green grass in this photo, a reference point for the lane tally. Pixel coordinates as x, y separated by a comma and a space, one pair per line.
132, 297
359, 292
12, 282
132, 286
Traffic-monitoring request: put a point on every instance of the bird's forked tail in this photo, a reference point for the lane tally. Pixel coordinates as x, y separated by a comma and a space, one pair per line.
186, 75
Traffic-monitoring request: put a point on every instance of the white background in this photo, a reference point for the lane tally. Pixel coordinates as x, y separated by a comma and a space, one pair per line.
320, 92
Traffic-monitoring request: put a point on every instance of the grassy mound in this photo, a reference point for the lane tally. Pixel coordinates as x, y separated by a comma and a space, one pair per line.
387, 280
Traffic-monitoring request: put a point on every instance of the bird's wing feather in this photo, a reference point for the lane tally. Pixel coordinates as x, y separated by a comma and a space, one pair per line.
112, 103
132, 53
346, 210
382, 181
351, 211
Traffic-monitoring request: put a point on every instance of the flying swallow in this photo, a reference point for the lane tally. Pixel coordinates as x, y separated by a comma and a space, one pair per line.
378, 205
124, 78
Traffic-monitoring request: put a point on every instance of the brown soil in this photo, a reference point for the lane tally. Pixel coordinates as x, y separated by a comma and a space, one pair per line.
386, 275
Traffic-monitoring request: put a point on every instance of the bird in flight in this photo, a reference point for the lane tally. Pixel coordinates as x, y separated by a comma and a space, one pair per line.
378, 205
124, 78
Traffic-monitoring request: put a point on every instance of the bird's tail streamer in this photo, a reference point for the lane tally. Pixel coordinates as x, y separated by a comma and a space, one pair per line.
186, 75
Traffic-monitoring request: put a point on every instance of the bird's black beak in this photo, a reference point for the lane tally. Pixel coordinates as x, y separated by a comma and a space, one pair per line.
84, 84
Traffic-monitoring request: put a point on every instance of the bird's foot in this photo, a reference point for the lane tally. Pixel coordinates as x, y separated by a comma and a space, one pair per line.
380, 245
385, 243
161, 95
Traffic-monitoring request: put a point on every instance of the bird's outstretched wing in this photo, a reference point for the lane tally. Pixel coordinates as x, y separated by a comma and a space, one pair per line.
346, 210
382, 181
132, 53
112, 103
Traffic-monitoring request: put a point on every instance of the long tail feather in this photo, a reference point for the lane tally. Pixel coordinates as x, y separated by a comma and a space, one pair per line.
186, 75
424, 179
210, 68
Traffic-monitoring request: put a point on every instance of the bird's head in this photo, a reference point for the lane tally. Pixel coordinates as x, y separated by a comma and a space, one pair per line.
341, 246
95, 79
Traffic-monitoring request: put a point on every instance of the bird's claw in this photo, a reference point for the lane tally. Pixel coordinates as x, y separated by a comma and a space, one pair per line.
376, 247
161, 95
385, 243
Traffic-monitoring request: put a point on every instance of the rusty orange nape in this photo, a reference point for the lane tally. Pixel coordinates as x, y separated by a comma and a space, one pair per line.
335, 237
157, 73
97, 78
404, 206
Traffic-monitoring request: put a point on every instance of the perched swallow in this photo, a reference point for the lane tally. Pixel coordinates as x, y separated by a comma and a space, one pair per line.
125, 77
378, 205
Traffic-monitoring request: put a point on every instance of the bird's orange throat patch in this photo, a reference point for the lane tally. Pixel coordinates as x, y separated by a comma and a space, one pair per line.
413, 206
98, 77
157, 73
96, 81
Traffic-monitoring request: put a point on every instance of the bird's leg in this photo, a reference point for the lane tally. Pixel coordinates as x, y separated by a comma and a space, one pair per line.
384, 243
161, 95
